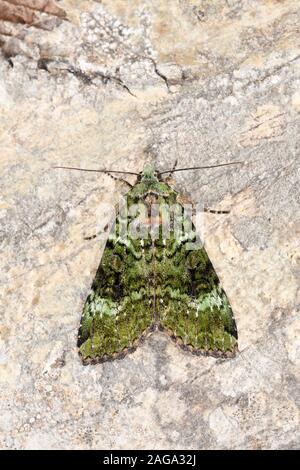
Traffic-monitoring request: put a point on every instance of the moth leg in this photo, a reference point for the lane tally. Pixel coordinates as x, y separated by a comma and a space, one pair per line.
116, 178
174, 166
214, 211
173, 169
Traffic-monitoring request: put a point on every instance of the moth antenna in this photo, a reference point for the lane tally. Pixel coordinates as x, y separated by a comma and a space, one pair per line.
96, 171
202, 167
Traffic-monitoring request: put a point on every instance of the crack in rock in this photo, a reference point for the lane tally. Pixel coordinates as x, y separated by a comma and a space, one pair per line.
85, 77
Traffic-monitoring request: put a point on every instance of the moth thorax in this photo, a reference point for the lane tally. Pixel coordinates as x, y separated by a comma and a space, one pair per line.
150, 199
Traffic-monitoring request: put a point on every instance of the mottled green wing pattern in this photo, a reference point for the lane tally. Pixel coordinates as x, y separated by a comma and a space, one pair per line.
155, 282
120, 307
192, 306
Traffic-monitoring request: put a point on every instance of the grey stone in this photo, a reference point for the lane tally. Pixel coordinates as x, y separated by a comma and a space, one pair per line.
114, 87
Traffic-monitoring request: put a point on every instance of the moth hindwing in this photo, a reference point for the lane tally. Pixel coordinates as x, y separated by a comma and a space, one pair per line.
147, 280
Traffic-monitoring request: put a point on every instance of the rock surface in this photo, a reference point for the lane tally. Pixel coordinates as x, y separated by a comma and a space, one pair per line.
114, 84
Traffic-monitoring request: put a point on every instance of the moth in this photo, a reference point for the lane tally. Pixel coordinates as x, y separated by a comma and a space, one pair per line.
153, 282
153, 279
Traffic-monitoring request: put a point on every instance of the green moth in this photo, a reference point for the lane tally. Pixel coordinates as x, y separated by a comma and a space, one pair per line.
151, 278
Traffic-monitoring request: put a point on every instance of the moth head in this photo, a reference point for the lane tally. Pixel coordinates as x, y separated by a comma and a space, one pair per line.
149, 173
